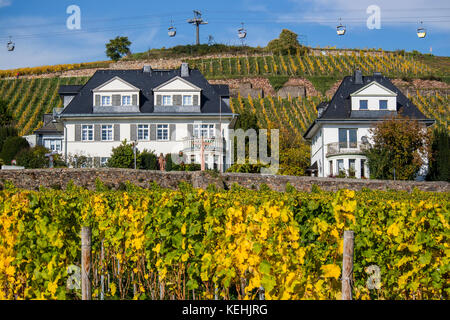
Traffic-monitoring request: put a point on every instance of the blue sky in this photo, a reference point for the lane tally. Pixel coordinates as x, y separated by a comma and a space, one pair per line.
39, 30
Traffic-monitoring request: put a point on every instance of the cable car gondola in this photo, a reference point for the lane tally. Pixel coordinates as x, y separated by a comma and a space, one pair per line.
10, 45
242, 33
421, 31
340, 29
172, 31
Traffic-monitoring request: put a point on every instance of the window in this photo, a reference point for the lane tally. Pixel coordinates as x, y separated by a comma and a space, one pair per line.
348, 138
106, 100
163, 132
87, 133
126, 100
192, 158
187, 100
167, 100
340, 166
107, 132
103, 162
383, 104
143, 132
363, 105
363, 169
204, 130
206, 162
351, 167
53, 145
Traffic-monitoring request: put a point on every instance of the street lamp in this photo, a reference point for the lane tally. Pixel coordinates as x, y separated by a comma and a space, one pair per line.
135, 143
50, 158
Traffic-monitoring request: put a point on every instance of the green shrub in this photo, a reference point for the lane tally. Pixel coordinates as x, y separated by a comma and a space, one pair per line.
149, 160
11, 147
123, 157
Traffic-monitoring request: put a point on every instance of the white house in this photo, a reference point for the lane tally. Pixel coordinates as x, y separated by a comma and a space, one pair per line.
165, 111
341, 131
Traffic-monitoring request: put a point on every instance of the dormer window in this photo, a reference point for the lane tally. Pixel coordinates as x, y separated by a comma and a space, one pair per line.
126, 100
106, 100
363, 105
383, 104
167, 100
187, 101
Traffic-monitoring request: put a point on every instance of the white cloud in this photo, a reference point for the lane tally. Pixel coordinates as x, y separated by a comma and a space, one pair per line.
5, 3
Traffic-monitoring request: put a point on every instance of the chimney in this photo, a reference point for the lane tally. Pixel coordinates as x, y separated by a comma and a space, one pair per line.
358, 77
147, 69
184, 70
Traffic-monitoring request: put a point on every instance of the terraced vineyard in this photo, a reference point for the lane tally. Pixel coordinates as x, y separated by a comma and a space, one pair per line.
296, 65
434, 107
29, 99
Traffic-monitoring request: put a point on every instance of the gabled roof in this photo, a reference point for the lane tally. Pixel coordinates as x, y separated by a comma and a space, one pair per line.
114, 79
49, 127
175, 79
82, 103
339, 108
374, 83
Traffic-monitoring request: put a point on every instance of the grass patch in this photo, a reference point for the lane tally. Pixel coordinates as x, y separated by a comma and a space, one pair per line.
323, 83
277, 82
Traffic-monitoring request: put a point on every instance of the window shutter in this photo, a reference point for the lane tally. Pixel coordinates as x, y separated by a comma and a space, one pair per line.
133, 132
78, 132
195, 100
153, 132
134, 100
177, 100
97, 132
190, 130
173, 132
116, 100
97, 100
217, 133
158, 100
117, 132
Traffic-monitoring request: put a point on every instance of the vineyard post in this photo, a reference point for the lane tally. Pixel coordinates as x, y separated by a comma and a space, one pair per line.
347, 265
86, 263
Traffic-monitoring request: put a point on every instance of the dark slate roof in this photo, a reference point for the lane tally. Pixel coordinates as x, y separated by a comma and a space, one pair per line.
222, 89
49, 126
210, 100
340, 105
339, 108
69, 89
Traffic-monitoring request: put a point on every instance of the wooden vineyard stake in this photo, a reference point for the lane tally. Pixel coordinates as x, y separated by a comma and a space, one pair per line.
86, 263
347, 265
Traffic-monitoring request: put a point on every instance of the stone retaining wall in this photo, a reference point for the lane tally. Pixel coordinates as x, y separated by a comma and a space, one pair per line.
114, 178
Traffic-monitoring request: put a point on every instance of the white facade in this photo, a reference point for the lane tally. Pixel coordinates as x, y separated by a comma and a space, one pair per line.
328, 154
177, 123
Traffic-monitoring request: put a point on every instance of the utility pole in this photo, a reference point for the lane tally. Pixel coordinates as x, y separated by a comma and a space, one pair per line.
197, 21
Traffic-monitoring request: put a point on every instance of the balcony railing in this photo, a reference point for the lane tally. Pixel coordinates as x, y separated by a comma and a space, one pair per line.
210, 144
337, 148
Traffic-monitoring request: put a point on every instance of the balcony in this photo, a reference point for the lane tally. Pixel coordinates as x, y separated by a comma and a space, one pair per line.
336, 148
210, 145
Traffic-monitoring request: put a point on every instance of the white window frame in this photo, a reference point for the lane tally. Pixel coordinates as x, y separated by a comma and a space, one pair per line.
191, 100
83, 129
129, 99
143, 128
367, 104
162, 135
200, 128
108, 129
53, 144
106, 104
167, 100
379, 104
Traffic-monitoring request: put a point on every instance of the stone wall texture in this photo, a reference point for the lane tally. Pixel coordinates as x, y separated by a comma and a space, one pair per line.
115, 178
